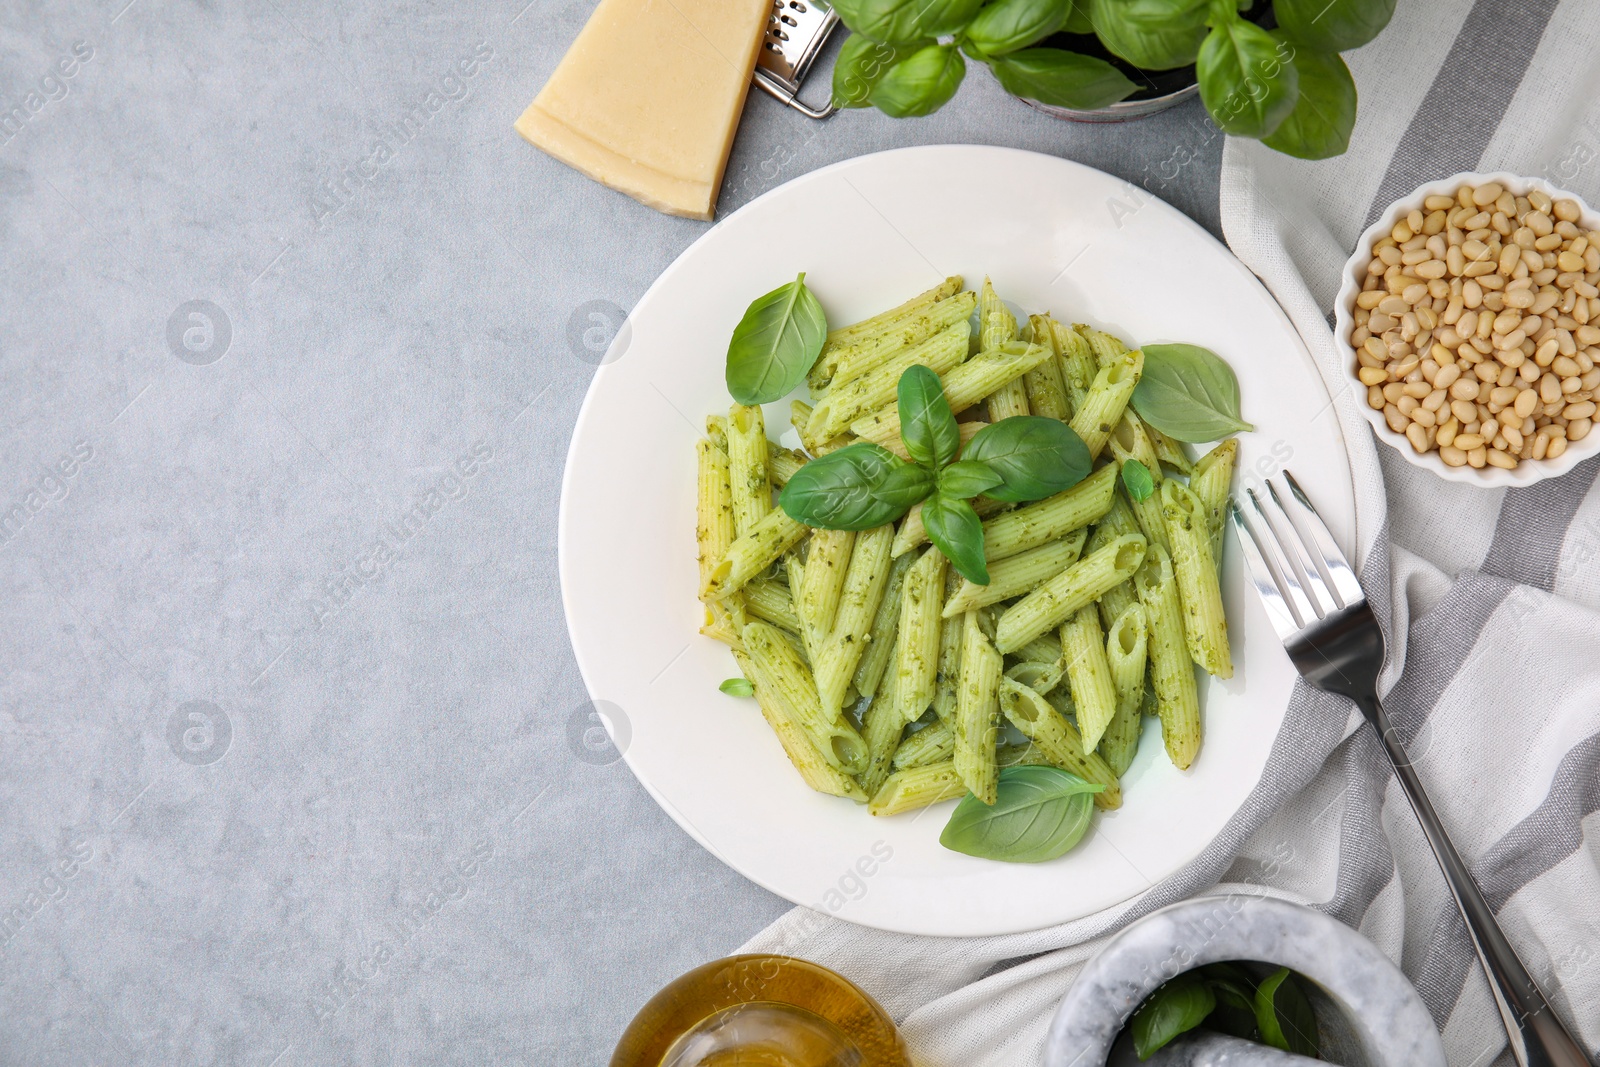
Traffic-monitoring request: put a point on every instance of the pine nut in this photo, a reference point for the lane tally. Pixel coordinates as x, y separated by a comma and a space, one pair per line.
1578, 429
1497, 458
1558, 445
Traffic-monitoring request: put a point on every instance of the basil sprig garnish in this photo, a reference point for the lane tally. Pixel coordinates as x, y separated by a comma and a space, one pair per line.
1039, 813
1025, 457
775, 344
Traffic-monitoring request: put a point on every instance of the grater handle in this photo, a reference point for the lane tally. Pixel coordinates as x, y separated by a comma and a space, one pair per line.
782, 92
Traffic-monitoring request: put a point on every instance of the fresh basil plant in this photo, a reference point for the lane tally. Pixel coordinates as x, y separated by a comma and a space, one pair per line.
1250, 1001
862, 485
1288, 86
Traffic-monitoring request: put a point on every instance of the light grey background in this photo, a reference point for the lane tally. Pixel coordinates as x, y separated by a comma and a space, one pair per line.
410, 849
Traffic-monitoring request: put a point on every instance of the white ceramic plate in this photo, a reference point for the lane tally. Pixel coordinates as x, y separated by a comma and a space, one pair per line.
871, 232
1355, 271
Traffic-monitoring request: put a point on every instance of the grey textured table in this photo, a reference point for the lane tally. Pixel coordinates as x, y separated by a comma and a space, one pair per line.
295, 761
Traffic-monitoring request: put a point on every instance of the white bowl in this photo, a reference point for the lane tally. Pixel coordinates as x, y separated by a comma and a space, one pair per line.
1355, 269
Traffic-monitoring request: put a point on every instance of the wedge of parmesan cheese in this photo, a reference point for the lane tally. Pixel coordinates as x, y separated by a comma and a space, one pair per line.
648, 98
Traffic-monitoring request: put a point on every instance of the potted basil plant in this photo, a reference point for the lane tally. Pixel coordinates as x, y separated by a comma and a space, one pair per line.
1268, 69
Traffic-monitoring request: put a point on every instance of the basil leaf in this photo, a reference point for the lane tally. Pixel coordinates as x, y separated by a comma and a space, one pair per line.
1039, 813
927, 425
921, 83
1335, 26
1078, 19
955, 529
1176, 1008
1189, 393
1284, 1014
1007, 25
901, 21
1061, 78
965, 480
1325, 113
1246, 79
1034, 456
775, 343
861, 63
906, 485
1235, 1013
1150, 34
838, 491
738, 687
1137, 480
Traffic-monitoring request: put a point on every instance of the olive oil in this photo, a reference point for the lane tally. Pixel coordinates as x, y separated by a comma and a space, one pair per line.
761, 1011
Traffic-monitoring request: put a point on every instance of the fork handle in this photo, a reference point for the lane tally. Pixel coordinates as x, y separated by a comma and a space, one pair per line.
1538, 1038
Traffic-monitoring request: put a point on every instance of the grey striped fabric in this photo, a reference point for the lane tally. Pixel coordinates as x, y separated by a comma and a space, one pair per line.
1487, 600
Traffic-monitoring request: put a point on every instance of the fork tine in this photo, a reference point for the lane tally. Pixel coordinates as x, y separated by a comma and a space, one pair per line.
1283, 619
1317, 588
1344, 579
1271, 547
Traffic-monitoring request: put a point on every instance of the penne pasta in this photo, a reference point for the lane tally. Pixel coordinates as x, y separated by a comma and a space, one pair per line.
780, 667
917, 787
1130, 441
1077, 362
1126, 644
977, 710
863, 331
857, 360
1108, 396
817, 772
1014, 532
917, 655
996, 324
1106, 348
1211, 483
1016, 575
1046, 648
1171, 671
1083, 650
1047, 392
714, 528
846, 402
1076, 587
753, 553
864, 583
944, 692
770, 601
881, 729
747, 467
717, 431
1057, 740
782, 463
876, 656
964, 386
1173, 454
1205, 626
827, 561
932, 743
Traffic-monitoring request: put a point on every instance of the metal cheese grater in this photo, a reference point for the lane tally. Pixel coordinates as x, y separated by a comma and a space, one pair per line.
796, 32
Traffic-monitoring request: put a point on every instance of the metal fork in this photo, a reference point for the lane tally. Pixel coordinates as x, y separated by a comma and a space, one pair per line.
1317, 606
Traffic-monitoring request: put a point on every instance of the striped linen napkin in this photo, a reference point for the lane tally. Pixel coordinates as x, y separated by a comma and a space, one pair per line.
1490, 599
